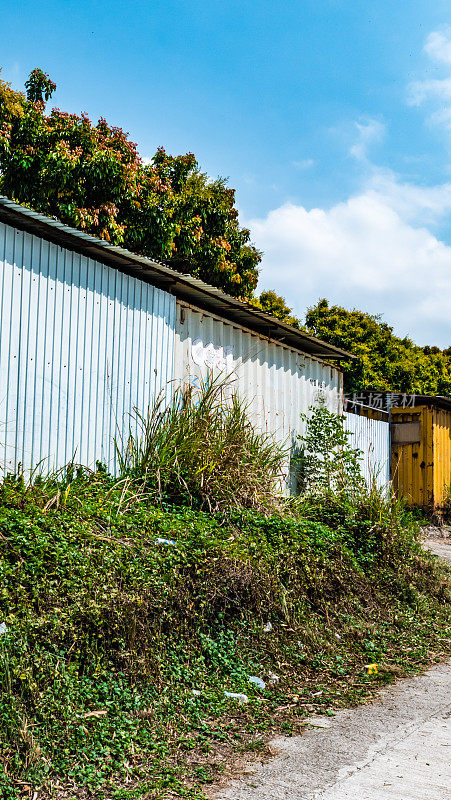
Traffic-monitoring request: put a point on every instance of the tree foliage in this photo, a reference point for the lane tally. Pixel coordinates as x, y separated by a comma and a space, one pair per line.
385, 362
91, 176
39, 86
274, 304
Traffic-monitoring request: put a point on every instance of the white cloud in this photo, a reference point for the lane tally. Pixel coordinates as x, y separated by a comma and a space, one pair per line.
368, 133
419, 91
306, 163
442, 118
379, 249
372, 252
418, 205
435, 91
438, 46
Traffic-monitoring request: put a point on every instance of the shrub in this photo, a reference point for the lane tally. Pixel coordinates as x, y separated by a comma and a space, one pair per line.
327, 462
203, 449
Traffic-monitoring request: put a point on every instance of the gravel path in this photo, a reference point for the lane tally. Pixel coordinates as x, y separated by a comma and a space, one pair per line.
396, 748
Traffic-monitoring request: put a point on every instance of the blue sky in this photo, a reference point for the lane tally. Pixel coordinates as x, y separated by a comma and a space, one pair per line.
332, 119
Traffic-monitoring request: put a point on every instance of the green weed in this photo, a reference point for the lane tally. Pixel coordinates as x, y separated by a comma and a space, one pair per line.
116, 608
203, 450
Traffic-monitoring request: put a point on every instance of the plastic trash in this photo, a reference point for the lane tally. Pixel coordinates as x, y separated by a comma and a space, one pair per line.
257, 682
371, 669
3, 628
338, 637
164, 541
273, 679
268, 627
196, 692
242, 698
316, 694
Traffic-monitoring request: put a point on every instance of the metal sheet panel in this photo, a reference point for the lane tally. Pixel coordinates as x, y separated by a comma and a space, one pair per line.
185, 287
406, 432
413, 462
276, 382
372, 437
81, 344
442, 456
422, 470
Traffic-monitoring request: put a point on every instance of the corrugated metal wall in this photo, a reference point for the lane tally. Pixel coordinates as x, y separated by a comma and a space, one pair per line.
372, 437
422, 469
413, 462
277, 382
442, 456
81, 344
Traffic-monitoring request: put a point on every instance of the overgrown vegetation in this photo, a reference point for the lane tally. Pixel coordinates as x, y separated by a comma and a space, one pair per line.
203, 450
109, 627
126, 613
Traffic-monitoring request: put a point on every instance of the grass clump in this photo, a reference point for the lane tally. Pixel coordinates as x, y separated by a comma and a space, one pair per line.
202, 449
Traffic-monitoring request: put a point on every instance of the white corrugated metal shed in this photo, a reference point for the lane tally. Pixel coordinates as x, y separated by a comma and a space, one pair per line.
81, 344
277, 381
88, 331
372, 438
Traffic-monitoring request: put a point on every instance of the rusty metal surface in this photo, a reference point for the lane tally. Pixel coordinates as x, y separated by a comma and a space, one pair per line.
422, 469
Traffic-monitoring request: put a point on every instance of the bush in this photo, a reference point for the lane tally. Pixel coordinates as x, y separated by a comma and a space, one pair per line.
373, 523
202, 449
113, 608
327, 462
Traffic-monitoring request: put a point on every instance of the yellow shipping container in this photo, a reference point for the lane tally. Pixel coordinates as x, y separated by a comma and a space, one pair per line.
421, 452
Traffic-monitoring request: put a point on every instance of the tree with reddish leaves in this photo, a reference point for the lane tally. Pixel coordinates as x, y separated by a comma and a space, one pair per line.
90, 176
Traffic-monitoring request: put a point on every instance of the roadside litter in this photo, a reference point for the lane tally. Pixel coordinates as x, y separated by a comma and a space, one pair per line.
242, 698
257, 682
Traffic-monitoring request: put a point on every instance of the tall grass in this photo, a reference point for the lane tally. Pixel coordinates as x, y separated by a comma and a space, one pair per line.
203, 448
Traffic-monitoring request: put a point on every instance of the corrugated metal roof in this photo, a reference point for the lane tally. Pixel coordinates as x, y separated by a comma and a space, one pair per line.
182, 286
433, 401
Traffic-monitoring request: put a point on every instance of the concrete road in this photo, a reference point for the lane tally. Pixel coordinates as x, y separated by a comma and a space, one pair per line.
396, 748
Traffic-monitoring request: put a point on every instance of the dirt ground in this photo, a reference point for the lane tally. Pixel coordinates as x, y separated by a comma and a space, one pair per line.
438, 540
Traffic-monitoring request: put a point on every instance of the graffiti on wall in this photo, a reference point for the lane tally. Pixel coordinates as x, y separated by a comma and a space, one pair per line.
211, 356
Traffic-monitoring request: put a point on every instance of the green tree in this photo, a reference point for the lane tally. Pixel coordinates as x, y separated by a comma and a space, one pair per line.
39, 86
384, 361
274, 304
91, 176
